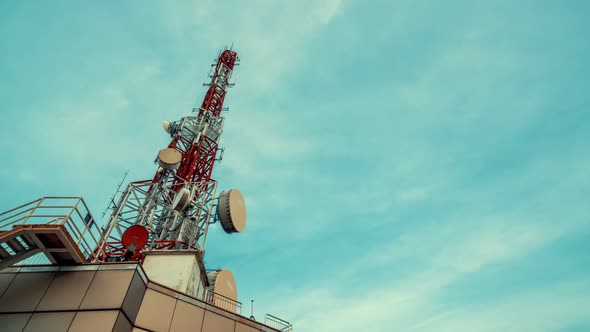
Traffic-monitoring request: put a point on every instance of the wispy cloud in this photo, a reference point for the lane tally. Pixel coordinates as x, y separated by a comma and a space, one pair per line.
410, 300
406, 166
558, 307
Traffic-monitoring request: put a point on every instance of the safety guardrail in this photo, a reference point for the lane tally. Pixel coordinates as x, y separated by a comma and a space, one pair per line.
70, 212
223, 302
277, 323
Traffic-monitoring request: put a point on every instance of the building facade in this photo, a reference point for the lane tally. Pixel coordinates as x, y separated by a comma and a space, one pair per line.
108, 297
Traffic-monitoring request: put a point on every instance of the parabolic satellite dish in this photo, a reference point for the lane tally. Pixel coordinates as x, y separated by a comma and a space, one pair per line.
135, 235
169, 158
231, 211
223, 283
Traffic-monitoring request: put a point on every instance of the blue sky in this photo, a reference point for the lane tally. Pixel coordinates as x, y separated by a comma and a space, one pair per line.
407, 165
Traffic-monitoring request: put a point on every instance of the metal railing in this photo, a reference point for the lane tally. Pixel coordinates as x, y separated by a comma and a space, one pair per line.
70, 212
223, 302
278, 323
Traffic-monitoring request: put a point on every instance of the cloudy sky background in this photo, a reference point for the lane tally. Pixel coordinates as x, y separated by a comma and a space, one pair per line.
407, 165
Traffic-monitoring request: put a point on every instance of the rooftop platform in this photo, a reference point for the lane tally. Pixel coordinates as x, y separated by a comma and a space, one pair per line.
62, 228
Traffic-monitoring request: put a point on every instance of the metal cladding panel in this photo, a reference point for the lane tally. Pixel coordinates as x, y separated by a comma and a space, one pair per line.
245, 328
50, 322
187, 317
267, 329
5, 280
108, 289
94, 321
252, 324
13, 322
122, 324
66, 291
217, 323
156, 311
134, 297
25, 291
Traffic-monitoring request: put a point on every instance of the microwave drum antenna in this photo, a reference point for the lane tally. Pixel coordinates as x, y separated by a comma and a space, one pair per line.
231, 211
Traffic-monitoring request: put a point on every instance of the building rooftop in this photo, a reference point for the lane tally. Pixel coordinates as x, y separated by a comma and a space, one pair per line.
110, 297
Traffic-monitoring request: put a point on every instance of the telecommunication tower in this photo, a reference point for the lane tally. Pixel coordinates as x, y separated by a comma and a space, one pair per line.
145, 268
174, 209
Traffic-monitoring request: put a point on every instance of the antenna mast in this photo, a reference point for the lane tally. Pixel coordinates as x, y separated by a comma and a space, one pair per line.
118, 190
176, 205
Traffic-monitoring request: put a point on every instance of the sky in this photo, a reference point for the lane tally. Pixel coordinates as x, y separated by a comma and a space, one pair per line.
406, 165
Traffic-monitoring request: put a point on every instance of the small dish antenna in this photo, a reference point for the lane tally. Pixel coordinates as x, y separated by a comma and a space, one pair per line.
170, 128
181, 200
231, 211
169, 158
135, 238
166, 125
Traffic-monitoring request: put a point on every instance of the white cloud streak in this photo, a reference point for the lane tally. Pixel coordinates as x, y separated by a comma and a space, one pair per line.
410, 303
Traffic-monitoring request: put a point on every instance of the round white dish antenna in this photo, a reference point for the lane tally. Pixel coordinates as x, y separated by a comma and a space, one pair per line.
169, 158
181, 200
231, 211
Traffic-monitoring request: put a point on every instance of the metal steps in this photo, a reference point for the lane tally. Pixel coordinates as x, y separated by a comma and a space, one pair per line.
15, 247
59, 227
24, 241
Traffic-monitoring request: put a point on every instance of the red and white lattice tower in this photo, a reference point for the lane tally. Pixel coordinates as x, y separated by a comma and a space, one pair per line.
174, 209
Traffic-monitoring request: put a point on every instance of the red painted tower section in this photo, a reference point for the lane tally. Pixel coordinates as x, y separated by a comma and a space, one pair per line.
198, 157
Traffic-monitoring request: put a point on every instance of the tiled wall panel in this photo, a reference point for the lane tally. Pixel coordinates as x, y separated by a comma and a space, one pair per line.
245, 328
217, 323
156, 311
134, 297
66, 291
5, 280
94, 321
187, 317
122, 324
50, 322
79, 295
13, 322
107, 290
25, 292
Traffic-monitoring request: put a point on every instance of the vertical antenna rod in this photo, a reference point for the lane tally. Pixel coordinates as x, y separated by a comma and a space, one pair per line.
118, 190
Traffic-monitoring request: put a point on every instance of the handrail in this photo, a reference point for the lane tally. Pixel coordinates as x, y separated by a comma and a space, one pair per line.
58, 210
175, 291
223, 302
276, 322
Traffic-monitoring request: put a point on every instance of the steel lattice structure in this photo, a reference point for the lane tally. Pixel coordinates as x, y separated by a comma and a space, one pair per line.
149, 203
